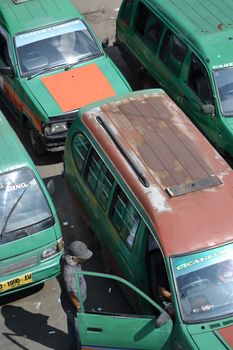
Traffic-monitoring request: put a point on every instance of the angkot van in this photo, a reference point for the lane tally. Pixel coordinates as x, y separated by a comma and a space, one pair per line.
31, 241
51, 64
159, 199
186, 46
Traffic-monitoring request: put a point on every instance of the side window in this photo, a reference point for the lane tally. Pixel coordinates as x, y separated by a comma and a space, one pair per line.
99, 179
173, 52
126, 11
4, 53
129, 302
198, 80
80, 148
148, 26
124, 217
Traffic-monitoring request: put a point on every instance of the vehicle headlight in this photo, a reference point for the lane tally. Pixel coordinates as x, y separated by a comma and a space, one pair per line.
54, 249
55, 128
60, 244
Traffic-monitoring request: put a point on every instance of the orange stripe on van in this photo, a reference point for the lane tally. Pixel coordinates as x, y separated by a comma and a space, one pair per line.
79, 87
20, 105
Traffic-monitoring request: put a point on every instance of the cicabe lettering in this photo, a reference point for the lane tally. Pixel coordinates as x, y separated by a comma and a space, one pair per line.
225, 65
201, 259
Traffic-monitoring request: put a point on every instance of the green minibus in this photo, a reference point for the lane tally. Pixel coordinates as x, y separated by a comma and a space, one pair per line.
31, 242
159, 199
186, 47
51, 64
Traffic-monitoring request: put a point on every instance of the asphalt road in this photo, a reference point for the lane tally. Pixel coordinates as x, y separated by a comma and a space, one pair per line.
34, 319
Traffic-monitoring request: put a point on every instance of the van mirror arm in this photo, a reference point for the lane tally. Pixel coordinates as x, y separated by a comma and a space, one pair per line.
208, 109
162, 319
7, 71
51, 187
105, 43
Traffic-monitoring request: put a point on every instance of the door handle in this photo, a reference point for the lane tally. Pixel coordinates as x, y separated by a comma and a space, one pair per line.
94, 330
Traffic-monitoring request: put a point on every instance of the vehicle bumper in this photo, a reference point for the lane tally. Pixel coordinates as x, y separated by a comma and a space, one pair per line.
53, 143
56, 142
45, 270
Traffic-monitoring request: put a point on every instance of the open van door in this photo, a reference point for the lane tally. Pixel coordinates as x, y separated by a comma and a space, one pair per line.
109, 321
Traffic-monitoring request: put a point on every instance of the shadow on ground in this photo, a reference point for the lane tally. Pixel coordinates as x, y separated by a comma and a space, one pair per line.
24, 324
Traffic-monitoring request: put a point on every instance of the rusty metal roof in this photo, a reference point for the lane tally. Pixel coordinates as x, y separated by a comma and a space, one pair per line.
163, 139
171, 153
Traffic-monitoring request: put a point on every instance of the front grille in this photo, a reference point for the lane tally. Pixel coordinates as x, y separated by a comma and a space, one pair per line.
12, 268
69, 122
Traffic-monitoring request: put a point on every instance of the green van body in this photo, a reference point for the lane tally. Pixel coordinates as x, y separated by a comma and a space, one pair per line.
154, 190
31, 242
186, 47
51, 64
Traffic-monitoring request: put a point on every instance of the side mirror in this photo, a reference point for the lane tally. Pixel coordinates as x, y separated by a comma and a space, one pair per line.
105, 43
162, 319
208, 109
51, 187
7, 71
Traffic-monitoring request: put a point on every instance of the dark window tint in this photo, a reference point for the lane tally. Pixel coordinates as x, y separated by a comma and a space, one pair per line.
124, 217
99, 179
115, 298
173, 52
126, 11
198, 80
148, 26
4, 54
80, 148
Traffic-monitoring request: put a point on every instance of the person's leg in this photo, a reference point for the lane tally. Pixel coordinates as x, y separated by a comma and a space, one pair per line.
71, 329
70, 312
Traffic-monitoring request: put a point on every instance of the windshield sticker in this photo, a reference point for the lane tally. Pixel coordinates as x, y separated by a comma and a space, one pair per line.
49, 32
225, 65
187, 264
13, 187
18, 166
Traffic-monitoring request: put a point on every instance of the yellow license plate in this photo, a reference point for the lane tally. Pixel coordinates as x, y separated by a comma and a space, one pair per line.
16, 282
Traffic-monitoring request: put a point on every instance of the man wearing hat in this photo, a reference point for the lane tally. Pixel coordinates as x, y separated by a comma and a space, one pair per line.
76, 255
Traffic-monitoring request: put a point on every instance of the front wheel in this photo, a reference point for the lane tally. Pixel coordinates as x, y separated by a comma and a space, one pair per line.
35, 142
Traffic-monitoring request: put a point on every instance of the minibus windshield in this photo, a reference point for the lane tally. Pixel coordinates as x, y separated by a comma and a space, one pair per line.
51, 47
224, 85
204, 283
22, 205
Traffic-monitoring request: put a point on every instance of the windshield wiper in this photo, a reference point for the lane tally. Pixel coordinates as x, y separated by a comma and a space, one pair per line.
47, 69
83, 58
11, 212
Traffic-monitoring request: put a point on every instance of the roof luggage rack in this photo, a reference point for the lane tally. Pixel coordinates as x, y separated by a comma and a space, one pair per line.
198, 185
124, 152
